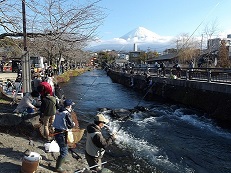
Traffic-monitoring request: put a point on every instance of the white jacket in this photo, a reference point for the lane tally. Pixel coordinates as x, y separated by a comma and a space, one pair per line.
27, 101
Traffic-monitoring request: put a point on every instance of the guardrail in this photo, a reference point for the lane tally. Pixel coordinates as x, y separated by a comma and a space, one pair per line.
218, 75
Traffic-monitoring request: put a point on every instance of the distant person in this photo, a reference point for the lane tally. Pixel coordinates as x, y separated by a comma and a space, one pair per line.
36, 82
28, 103
1, 67
96, 143
62, 123
163, 66
191, 67
157, 66
51, 80
178, 70
59, 93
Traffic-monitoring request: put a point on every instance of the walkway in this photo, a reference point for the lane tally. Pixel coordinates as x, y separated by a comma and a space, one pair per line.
5, 76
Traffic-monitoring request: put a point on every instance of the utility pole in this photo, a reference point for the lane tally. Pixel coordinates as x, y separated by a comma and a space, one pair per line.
177, 45
26, 69
201, 43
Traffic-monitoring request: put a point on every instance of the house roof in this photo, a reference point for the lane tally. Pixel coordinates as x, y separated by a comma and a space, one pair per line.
164, 57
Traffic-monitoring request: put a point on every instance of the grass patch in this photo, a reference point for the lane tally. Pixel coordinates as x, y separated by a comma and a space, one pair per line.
65, 77
3, 101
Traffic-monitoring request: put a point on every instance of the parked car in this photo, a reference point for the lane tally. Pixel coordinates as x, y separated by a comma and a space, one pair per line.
7, 67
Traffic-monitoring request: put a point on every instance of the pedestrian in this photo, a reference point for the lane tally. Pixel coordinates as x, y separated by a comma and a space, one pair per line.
36, 82
62, 123
59, 94
28, 103
48, 111
162, 66
96, 143
178, 70
191, 67
158, 69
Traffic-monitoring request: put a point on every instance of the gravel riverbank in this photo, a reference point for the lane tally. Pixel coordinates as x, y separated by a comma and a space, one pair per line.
23, 136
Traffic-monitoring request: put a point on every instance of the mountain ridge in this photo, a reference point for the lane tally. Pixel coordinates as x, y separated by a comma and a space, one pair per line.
144, 38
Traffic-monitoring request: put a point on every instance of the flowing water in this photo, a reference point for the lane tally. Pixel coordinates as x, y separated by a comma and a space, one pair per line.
167, 138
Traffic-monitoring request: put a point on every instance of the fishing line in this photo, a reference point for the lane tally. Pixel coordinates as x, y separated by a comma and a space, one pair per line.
88, 89
201, 23
128, 116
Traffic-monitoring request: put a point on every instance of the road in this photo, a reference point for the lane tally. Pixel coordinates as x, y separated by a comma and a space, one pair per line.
5, 76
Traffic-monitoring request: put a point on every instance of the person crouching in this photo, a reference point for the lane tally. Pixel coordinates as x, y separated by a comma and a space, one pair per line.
62, 123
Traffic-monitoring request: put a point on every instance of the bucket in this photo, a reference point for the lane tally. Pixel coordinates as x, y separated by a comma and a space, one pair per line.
30, 163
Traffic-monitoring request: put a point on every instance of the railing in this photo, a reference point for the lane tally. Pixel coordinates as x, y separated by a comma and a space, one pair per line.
218, 75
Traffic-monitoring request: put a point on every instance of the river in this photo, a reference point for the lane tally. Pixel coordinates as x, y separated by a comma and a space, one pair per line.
168, 138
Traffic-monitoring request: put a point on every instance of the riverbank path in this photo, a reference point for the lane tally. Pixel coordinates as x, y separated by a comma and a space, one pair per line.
5, 76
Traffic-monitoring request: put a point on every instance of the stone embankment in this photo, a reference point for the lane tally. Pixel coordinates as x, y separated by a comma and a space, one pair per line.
212, 98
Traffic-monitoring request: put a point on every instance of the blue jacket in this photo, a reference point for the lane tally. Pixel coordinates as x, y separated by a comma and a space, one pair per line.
63, 120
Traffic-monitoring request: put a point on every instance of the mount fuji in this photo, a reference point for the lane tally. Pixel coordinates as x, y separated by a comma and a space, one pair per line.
142, 37
140, 34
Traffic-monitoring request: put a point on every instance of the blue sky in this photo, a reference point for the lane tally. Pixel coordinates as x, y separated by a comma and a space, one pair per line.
164, 17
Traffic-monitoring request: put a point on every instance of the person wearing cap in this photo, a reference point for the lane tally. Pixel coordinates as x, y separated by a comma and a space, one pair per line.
62, 123
96, 143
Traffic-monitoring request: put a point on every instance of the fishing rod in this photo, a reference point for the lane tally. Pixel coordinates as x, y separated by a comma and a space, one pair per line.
128, 116
82, 170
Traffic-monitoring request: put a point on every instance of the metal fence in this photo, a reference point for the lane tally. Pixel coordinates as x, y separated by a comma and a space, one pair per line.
218, 75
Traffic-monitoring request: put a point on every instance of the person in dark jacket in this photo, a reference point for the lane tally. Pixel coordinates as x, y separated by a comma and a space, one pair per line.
62, 123
96, 143
178, 70
48, 111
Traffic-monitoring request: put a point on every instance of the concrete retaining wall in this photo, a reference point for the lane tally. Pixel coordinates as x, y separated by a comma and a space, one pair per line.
212, 98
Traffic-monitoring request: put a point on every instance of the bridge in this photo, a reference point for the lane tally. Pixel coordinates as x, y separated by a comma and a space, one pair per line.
214, 75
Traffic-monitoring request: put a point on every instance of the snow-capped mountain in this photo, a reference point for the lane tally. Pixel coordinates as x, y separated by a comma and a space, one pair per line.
140, 34
144, 38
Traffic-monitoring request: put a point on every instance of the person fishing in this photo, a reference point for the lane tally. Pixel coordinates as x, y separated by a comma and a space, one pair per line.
62, 123
96, 143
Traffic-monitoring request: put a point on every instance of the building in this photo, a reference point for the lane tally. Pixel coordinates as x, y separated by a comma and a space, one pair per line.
170, 58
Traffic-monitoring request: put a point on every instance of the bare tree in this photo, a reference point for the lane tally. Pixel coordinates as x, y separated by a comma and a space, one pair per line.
210, 31
187, 47
54, 27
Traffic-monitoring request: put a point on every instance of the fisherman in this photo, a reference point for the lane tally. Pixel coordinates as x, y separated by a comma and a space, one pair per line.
96, 143
45, 88
62, 123
48, 111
